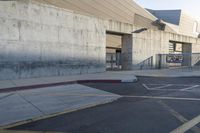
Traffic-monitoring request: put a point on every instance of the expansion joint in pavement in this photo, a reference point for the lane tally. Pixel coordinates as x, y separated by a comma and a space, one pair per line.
31, 103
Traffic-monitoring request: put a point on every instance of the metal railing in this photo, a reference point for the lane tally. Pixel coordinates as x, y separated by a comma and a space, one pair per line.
182, 60
146, 64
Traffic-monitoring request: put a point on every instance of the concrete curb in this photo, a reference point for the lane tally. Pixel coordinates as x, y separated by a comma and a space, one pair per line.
37, 86
20, 88
55, 114
14, 131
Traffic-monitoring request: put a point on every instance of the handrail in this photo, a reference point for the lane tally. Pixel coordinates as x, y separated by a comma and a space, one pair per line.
146, 64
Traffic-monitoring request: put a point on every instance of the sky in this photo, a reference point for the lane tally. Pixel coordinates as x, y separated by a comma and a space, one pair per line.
190, 6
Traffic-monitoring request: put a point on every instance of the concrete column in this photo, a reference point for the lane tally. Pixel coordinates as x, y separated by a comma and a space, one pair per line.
187, 53
127, 52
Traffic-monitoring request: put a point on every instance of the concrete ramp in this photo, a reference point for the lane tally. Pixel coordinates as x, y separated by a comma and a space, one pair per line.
38, 104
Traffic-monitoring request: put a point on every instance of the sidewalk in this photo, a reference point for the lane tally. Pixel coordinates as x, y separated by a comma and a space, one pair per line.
21, 107
166, 73
21, 103
9, 85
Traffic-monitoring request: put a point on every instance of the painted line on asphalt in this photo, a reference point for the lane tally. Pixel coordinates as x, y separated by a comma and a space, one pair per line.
162, 86
165, 89
145, 86
178, 116
164, 98
157, 88
187, 126
189, 88
173, 84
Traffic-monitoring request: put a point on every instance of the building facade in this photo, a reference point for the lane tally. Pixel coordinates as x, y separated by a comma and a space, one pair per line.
181, 21
41, 38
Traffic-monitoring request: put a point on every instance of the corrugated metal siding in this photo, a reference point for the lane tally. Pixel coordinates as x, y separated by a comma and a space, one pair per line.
119, 10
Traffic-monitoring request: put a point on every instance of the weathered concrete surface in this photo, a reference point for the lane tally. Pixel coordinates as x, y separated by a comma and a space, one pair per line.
149, 43
7, 84
152, 42
31, 104
41, 40
127, 47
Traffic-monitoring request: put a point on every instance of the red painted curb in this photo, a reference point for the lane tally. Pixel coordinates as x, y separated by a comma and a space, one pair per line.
99, 81
30, 87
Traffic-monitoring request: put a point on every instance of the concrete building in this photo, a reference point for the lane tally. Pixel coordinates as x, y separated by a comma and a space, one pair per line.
65, 37
182, 22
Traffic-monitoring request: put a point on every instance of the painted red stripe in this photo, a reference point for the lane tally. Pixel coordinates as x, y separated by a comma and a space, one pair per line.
38, 86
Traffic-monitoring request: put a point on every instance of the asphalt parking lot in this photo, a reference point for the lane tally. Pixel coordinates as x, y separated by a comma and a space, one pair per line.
152, 105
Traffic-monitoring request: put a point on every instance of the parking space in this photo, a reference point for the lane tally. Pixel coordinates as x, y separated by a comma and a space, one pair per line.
172, 87
152, 105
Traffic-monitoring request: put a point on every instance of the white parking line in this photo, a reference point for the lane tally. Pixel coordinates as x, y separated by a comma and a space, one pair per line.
187, 126
146, 86
189, 88
173, 84
178, 116
163, 86
162, 98
160, 87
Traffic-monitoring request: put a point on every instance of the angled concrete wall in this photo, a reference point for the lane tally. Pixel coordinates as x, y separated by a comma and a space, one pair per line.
40, 40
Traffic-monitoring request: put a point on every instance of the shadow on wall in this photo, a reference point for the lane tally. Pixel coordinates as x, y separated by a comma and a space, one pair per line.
34, 69
197, 64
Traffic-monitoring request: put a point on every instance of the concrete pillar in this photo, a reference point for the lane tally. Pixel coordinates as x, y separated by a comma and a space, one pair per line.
187, 53
127, 52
